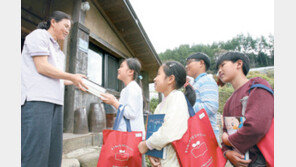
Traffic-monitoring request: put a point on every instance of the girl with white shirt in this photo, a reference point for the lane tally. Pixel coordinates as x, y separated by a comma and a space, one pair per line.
131, 97
170, 77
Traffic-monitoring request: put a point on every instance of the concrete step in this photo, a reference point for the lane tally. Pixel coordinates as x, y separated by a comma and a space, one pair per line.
73, 142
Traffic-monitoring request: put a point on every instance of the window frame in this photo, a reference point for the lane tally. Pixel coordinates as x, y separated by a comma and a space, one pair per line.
105, 71
95, 48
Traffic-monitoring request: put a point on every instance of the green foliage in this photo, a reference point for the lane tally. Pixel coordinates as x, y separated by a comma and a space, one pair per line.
153, 104
270, 74
259, 50
267, 76
226, 91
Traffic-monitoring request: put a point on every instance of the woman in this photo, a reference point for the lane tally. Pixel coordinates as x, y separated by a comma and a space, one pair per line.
42, 92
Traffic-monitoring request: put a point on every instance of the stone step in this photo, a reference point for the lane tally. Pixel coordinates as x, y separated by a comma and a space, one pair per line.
70, 163
73, 142
89, 160
84, 157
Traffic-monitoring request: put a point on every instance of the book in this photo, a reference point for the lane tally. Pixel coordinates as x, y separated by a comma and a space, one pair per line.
232, 125
93, 87
154, 122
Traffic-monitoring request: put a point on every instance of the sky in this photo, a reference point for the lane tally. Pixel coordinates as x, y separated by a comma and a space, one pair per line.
170, 23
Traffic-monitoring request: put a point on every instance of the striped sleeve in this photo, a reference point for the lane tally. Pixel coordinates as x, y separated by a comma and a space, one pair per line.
207, 96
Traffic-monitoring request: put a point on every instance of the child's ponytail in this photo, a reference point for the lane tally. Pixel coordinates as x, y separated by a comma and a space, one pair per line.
177, 69
134, 64
190, 93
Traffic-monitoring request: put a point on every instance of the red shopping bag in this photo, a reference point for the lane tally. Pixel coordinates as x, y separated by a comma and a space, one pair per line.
266, 144
119, 148
198, 146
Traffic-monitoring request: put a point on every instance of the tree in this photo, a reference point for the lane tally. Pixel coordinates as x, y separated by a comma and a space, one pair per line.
260, 50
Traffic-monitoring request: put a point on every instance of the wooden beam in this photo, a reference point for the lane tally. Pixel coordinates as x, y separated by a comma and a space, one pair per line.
106, 46
110, 23
48, 9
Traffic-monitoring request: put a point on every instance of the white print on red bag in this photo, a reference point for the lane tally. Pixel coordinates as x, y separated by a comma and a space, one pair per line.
121, 156
208, 163
138, 134
199, 149
122, 152
201, 116
191, 139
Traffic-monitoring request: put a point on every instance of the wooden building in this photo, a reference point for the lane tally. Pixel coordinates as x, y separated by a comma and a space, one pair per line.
103, 33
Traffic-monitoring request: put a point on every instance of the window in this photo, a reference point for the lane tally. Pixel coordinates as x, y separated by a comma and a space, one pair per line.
102, 68
95, 65
112, 65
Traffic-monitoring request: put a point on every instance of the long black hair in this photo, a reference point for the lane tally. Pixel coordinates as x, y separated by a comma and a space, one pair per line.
177, 69
57, 16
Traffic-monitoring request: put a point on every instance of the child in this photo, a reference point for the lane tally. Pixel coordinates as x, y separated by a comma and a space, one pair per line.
131, 98
233, 68
170, 77
205, 87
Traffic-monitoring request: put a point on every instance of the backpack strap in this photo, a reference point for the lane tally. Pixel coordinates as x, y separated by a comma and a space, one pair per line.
261, 86
244, 100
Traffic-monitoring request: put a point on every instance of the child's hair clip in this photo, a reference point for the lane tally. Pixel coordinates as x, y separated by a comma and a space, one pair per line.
171, 65
140, 77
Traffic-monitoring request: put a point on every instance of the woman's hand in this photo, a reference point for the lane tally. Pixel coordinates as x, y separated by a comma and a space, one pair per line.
225, 139
109, 99
143, 147
68, 82
155, 162
237, 159
77, 81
